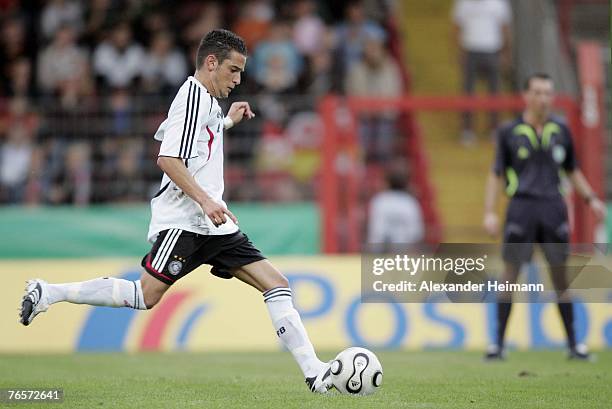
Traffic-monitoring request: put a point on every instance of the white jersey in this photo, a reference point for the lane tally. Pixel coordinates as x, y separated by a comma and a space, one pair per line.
193, 132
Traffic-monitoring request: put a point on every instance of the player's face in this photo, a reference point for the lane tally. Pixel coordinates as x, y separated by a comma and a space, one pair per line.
227, 75
540, 95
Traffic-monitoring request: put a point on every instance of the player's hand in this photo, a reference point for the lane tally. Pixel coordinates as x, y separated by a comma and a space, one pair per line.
598, 208
240, 110
491, 223
217, 213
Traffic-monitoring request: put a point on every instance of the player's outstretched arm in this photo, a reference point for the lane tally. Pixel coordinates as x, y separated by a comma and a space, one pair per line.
176, 170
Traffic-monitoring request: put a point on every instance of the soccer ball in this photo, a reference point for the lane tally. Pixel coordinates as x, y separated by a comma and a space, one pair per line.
356, 371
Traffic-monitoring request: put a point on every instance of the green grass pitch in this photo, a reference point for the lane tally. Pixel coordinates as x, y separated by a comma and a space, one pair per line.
432, 379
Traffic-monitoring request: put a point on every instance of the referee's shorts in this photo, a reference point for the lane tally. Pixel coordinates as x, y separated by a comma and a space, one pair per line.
536, 220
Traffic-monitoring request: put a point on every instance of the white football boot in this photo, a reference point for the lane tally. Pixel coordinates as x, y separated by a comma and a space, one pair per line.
34, 301
323, 381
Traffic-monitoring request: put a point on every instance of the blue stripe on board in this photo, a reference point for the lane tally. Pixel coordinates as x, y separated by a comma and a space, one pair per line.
192, 319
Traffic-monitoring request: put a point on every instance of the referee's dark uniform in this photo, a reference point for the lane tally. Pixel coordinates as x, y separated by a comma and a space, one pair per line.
532, 165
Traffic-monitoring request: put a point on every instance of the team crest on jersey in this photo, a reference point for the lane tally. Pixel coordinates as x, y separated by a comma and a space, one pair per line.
175, 267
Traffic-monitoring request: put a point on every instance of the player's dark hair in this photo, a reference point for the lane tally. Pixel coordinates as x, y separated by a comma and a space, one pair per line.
536, 75
219, 43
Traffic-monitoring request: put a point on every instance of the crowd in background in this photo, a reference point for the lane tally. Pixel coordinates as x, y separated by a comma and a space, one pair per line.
83, 86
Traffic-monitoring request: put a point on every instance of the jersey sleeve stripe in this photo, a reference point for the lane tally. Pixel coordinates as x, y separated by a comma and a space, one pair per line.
187, 137
193, 121
187, 115
193, 134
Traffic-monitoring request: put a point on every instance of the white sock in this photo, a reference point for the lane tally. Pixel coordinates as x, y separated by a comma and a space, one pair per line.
291, 331
106, 292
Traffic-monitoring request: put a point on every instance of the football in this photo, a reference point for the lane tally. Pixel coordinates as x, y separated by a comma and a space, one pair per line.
356, 371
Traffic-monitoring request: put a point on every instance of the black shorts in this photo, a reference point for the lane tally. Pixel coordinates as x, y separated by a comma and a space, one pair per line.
177, 252
532, 220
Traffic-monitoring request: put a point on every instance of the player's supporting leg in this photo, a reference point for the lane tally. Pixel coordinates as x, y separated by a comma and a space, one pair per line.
286, 320
107, 291
504, 306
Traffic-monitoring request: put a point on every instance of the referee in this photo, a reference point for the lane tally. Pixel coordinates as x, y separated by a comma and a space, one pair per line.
532, 152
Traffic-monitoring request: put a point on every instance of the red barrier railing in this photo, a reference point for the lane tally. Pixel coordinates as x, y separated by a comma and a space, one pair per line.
340, 180
591, 143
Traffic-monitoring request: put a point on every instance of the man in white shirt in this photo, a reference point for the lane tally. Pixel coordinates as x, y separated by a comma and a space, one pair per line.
395, 218
482, 30
191, 224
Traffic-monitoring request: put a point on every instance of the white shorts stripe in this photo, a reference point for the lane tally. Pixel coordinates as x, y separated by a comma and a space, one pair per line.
162, 247
164, 259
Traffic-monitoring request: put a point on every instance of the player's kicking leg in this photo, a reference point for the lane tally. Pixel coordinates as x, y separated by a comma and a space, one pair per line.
287, 322
108, 292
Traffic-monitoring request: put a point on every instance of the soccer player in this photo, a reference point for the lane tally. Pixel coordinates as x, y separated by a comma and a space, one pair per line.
532, 151
191, 224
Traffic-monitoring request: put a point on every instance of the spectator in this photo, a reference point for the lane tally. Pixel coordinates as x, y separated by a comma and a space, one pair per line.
127, 184
482, 29
58, 13
154, 21
319, 79
12, 48
73, 184
98, 16
164, 67
208, 18
13, 40
308, 30
375, 75
20, 78
61, 62
353, 32
118, 61
120, 109
276, 62
17, 151
254, 21
395, 218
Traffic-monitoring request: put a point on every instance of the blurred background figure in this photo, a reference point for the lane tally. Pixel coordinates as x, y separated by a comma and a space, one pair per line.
18, 131
164, 67
58, 13
395, 219
308, 28
353, 32
63, 67
482, 29
375, 74
254, 21
118, 61
276, 62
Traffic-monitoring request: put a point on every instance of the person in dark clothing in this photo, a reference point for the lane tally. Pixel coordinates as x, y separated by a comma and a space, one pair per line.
533, 151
